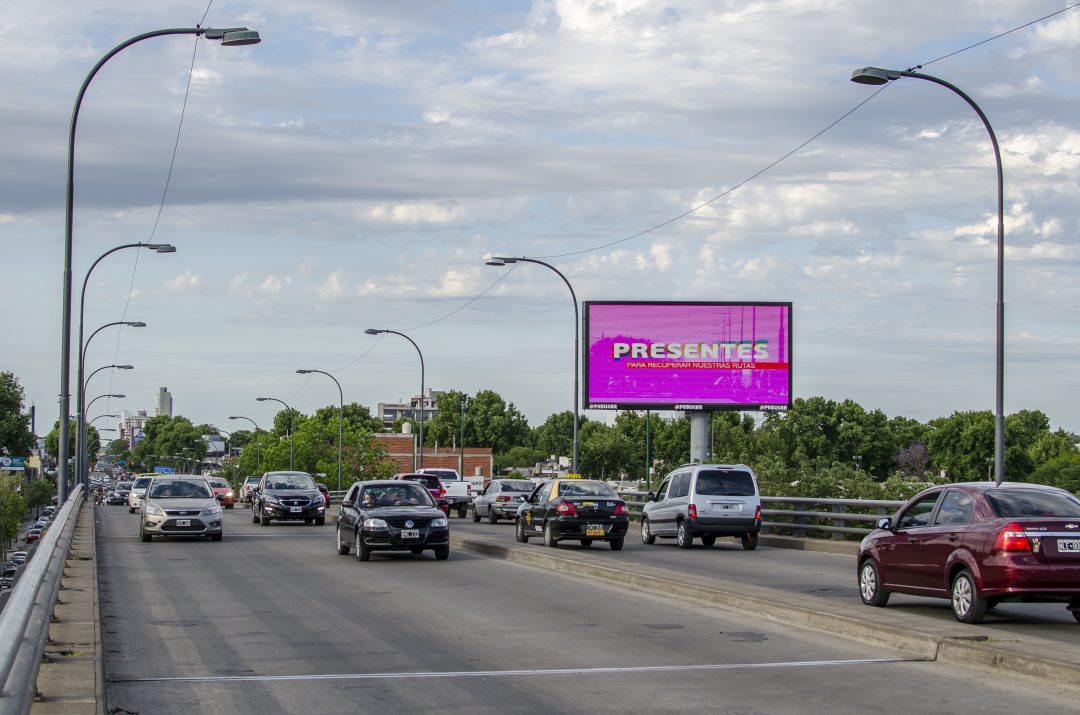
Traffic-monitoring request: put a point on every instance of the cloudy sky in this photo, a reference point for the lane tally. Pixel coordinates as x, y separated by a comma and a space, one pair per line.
355, 168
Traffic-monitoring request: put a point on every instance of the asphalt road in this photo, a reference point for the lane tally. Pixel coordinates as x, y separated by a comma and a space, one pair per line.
271, 620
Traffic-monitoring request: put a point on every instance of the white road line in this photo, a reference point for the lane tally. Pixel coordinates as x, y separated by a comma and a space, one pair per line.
516, 673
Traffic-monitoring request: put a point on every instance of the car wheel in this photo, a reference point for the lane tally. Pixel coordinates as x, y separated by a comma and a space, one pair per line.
586, 543
131, 510
519, 532
493, 518
749, 541
475, 515
442, 553
647, 537
1076, 613
264, 520
229, 506
145, 537
215, 537
967, 605
870, 589
549, 536
683, 537
320, 521
708, 539
342, 545
363, 552
254, 516
462, 512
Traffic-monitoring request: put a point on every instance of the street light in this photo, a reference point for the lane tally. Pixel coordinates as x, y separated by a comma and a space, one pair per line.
505, 260
289, 410
373, 331
81, 472
878, 76
229, 37
99, 417
258, 439
461, 447
340, 418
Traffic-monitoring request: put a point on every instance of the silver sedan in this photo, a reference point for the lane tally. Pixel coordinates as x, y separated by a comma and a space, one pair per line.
180, 506
500, 499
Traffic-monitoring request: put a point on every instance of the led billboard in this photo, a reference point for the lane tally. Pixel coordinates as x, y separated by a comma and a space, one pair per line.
687, 356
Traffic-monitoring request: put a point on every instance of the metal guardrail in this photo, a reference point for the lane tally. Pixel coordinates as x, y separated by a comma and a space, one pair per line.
24, 622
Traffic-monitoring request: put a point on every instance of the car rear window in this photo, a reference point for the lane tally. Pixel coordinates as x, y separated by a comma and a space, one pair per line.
429, 482
290, 481
729, 483
518, 486
1018, 503
586, 489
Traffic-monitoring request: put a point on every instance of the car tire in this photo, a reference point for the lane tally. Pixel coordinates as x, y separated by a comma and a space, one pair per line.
462, 512
586, 543
229, 506
442, 553
549, 537
215, 537
967, 605
342, 546
363, 551
493, 518
683, 538
617, 544
320, 521
254, 516
708, 539
264, 520
519, 532
475, 515
131, 510
870, 589
749, 541
146, 538
1076, 614
647, 537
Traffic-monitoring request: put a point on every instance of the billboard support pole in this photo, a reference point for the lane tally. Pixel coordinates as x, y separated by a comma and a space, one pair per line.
699, 432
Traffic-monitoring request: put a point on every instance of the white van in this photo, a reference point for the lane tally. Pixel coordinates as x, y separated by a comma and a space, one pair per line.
704, 501
137, 493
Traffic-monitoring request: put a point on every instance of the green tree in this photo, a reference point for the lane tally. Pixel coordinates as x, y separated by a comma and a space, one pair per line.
1062, 472
15, 436
518, 457
93, 441
165, 438
555, 438
444, 428
39, 493
604, 452
495, 423
12, 508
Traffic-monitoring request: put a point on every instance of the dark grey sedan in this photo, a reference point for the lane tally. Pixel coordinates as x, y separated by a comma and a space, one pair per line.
500, 499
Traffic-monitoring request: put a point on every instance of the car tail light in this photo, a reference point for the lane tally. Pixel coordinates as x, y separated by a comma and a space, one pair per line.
442, 493
1012, 537
468, 490
502, 498
691, 511
757, 512
620, 510
566, 509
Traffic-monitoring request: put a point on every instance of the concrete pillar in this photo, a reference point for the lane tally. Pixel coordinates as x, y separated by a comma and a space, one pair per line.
699, 435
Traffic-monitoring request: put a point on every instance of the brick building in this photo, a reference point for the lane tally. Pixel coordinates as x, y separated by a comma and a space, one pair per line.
400, 447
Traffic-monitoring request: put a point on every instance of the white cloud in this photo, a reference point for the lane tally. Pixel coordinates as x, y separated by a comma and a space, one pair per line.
183, 283
332, 287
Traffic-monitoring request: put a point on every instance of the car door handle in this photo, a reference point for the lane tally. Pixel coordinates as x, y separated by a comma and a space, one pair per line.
912, 540
954, 537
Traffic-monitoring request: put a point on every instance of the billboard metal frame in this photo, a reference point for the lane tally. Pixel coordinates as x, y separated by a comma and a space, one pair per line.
703, 406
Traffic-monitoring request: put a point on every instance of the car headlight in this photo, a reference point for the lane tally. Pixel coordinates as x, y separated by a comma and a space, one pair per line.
439, 521
229, 493
270, 499
155, 510
374, 523
318, 500
211, 510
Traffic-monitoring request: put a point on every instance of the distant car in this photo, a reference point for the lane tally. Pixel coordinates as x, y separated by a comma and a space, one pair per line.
18, 557
288, 496
391, 515
501, 499
120, 492
248, 486
50, 510
224, 489
180, 505
138, 489
434, 486
704, 501
33, 535
977, 544
584, 510
325, 492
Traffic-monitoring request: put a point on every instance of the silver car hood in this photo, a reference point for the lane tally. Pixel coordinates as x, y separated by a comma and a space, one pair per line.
199, 503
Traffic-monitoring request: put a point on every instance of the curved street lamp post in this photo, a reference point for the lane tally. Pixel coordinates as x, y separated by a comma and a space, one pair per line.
290, 412
82, 473
505, 260
374, 331
878, 76
258, 438
340, 419
229, 37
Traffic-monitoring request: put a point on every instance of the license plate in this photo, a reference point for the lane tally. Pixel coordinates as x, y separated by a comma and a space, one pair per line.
296, 509
410, 533
594, 530
725, 507
183, 522
1069, 545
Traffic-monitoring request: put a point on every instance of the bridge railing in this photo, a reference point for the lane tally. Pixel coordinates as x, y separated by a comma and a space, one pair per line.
24, 622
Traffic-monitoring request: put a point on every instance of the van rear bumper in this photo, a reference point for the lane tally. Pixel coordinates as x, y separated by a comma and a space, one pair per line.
722, 527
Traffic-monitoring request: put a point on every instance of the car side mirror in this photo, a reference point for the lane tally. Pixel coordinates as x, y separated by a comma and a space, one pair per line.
885, 523
348, 503
219, 497
651, 496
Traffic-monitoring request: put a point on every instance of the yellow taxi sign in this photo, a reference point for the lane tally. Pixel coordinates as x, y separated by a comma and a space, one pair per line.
574, 476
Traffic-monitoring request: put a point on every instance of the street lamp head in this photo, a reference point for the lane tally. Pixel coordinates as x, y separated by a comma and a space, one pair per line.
124, 367
236, 417
305, 372
261, 399
134, 323
233, 36
501, 260
874, 76
373, 331
117, 396
161, 247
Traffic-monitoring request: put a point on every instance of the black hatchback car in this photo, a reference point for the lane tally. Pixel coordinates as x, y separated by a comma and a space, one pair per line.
287, 496
391, 516
584, 510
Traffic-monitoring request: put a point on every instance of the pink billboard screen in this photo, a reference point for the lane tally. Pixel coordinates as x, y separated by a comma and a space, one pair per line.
687, 356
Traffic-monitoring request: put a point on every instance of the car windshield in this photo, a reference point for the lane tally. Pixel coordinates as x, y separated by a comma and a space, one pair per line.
179, 489
429, 482
252, 480
123, 485
404, 494
219, 483
290, 481
141, 483
587, 489
517, 486
1019, 503
725, 482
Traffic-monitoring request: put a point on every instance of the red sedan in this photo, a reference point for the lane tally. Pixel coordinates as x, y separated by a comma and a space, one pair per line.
222, 487
978, 545
433, 484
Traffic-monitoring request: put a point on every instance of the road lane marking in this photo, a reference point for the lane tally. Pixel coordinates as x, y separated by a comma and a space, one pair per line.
517, 673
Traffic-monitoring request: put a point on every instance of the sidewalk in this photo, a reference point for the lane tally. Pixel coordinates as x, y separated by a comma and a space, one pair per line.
70, 681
